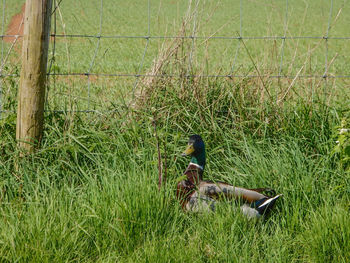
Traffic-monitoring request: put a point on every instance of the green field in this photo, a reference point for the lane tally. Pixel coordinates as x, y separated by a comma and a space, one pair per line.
90, 194
208, 57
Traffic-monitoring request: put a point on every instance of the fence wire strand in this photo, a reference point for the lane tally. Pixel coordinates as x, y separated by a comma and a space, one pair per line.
188, 37
197, 75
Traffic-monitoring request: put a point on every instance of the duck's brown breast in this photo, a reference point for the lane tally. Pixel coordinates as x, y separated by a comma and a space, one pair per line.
187, 187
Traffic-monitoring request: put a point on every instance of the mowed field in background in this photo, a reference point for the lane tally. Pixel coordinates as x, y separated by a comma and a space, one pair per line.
135, 19
90, 194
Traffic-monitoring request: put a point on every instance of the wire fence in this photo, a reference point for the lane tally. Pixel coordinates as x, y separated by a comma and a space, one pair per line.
193, 37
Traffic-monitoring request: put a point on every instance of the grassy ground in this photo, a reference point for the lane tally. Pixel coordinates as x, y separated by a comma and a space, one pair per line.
90, 193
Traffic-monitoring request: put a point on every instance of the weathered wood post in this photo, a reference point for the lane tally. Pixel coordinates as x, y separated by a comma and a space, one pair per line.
31, 97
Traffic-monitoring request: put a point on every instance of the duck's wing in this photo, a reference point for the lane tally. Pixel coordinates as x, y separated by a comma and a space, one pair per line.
266, 191
219, 189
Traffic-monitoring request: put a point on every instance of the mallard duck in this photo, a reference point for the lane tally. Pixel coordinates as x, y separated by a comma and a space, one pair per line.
195, 194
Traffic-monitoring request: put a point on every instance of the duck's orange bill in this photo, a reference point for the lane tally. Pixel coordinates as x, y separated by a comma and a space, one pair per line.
189, 150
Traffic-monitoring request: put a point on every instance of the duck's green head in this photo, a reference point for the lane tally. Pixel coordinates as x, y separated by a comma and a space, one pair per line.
196, 149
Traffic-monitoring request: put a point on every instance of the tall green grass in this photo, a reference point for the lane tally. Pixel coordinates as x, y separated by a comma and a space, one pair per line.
90, 194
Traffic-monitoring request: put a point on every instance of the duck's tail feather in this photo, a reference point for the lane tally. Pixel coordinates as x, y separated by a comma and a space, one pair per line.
264, 205
259, 208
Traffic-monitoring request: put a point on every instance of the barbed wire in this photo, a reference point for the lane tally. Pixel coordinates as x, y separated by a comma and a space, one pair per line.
188, 75
189, 37
193, 37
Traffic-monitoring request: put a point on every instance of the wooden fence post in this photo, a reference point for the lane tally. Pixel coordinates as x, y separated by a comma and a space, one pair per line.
31, 95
